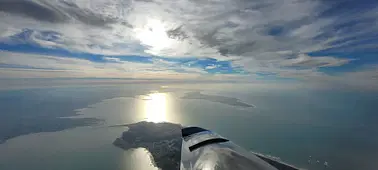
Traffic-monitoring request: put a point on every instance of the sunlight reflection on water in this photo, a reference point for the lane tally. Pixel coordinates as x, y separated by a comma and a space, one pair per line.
155, 107
158, 107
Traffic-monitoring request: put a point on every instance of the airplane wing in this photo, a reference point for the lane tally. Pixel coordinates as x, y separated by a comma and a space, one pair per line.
174, 147
205, 150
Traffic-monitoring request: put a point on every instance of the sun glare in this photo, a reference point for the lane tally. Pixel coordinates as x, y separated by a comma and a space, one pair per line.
156, 107
154, 35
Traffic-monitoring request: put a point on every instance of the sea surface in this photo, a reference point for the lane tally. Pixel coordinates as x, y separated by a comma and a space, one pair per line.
69, 128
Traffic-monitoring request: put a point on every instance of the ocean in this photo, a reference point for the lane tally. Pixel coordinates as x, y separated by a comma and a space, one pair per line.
67, 128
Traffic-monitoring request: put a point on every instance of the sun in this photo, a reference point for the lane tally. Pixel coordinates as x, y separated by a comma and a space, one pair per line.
156, 107
154, 35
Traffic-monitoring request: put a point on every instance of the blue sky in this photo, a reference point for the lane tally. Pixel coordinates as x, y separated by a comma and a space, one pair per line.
317, 42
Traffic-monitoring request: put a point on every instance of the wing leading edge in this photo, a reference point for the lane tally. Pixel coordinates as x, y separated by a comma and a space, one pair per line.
203, 150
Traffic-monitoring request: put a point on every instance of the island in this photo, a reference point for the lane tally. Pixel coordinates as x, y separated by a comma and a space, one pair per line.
214, 98
162, 140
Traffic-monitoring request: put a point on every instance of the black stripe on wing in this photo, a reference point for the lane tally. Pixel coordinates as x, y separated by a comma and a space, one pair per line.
207, 142
191, 130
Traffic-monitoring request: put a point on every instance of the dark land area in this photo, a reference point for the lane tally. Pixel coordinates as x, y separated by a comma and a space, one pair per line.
162, 140
213, 98
29, 111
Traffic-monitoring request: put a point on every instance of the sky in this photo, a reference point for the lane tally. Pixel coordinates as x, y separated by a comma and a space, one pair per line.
315, 43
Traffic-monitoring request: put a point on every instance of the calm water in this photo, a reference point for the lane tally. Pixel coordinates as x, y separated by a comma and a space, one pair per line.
291, 125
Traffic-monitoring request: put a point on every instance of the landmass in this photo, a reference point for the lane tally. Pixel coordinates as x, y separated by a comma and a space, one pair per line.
10, 131
162, 140
214, 98
29, 111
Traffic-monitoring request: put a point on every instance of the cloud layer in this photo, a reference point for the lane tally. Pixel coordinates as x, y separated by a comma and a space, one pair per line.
305, 40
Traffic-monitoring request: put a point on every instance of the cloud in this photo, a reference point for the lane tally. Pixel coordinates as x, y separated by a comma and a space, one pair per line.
46, 11
112, 59
191, 28
19, 65
210, 67
34, 10
306, 61
277, 37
